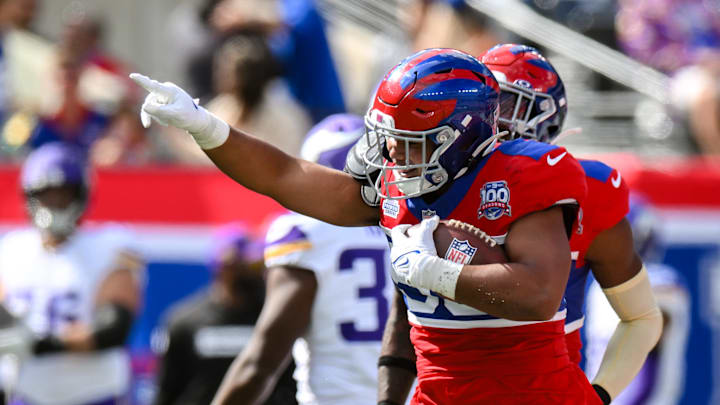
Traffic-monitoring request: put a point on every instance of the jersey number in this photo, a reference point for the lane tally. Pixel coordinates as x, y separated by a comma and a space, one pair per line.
348, 260
59, 309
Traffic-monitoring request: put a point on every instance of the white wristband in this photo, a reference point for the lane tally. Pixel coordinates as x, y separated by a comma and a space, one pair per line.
437, 274
213, 134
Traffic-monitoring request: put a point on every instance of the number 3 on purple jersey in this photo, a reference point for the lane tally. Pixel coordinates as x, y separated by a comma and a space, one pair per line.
348, 259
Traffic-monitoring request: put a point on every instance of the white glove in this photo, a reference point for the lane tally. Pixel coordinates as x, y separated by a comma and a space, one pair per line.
415, 261
168, 104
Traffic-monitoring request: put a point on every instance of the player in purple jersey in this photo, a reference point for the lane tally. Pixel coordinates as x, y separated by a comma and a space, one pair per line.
533, 105
77, 288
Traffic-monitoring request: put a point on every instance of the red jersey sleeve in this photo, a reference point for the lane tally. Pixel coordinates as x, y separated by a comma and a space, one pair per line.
608, 197
554, 178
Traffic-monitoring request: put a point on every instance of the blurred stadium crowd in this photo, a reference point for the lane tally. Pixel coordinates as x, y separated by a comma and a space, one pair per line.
277, 67
244, 59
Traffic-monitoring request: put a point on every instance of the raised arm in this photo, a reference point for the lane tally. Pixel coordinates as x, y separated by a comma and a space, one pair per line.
308, 188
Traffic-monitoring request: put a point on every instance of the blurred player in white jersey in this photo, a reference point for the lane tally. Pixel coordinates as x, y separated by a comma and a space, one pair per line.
325, 283
76, 289
661, 379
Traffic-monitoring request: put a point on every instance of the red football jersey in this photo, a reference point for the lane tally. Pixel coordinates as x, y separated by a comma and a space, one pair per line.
607, 202
517, 178
452, 340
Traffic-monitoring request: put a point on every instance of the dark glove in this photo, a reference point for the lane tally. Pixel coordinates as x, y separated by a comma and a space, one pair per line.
48, 344
604, 396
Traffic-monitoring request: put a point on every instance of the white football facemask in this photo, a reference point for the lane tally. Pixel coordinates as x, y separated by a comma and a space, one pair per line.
378, 130
521, 101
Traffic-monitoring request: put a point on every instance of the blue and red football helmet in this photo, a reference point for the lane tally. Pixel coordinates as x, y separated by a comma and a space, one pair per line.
55, 165
532, 98
437, 98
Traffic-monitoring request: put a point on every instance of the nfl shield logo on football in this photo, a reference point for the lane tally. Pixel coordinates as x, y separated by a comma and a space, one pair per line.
460, 251
428, 214
495, 200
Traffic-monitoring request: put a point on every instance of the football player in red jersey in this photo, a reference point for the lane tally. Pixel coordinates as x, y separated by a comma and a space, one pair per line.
482, 333
533, 105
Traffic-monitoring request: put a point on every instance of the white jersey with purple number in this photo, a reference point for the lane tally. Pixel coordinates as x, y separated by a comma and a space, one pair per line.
351, 305
49, 289
660, 380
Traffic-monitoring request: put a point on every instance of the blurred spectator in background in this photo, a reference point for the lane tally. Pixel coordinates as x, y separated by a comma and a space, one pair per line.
72, 120
103, 85
205, 332
668, 34
298, 42
662, 378
89, 101
327, 284
681, 38
450, 24
695, 98
249, 96
25, 69
77, 288
18, 14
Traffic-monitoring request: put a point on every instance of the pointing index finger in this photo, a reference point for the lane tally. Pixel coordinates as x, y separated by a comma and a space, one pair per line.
152, 86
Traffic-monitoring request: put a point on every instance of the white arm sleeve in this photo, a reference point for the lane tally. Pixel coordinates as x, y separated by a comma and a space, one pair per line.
636, 334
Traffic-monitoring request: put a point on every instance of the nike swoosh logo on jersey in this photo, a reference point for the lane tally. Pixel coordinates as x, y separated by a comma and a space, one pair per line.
616, 181
555, 160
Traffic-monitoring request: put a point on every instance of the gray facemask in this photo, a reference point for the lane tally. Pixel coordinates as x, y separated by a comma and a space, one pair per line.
58, 222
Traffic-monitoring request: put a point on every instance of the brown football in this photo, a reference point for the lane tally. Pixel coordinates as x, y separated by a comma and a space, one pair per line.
463, 243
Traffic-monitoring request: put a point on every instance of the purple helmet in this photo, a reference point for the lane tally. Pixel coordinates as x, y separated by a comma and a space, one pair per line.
233, 242
55, 165
329, 142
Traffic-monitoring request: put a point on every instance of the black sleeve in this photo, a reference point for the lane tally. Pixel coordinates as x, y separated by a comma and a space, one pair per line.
176, 365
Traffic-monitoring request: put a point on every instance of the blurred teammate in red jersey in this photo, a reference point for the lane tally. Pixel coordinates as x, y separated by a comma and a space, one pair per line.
533, 105
482, 333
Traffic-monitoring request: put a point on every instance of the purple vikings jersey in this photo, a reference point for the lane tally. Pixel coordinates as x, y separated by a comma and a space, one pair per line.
351, 266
